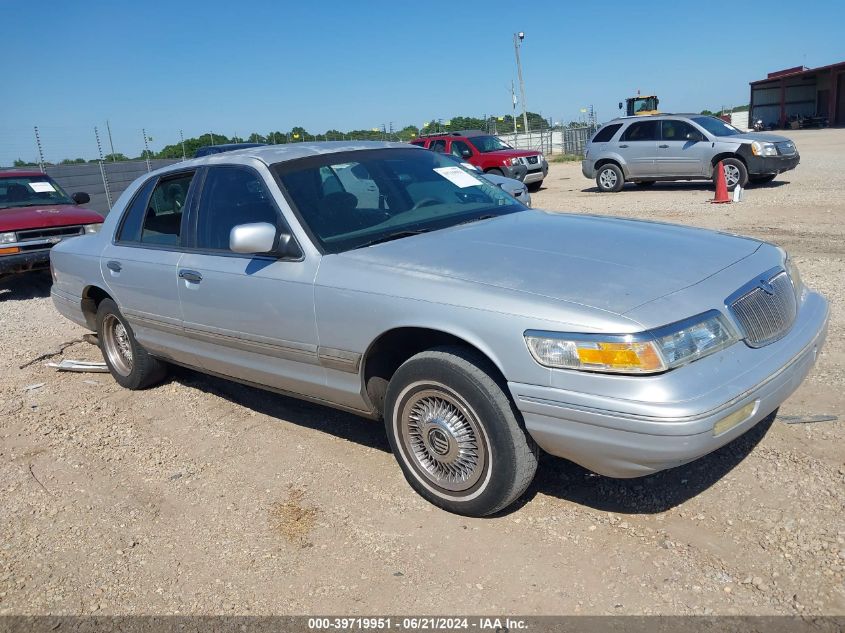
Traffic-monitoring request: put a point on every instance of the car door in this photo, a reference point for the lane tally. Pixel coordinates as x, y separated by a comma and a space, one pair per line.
638, 147
682, 149
139, 266
250, 317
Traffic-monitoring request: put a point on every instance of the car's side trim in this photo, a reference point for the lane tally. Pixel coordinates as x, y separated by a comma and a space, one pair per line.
342, 360
286, 350
152, 322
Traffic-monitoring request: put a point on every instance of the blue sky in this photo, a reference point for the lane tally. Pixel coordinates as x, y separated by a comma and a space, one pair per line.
245, 66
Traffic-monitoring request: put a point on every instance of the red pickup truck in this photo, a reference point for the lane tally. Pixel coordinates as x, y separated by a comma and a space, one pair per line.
490, 154
35, 214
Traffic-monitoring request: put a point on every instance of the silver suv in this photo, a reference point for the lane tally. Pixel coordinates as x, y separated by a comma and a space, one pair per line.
645, 149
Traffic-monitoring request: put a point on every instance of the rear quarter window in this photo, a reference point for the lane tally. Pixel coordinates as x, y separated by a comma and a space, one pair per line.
606, 133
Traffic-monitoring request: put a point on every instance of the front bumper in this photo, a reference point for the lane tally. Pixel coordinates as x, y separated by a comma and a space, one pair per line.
767, 165
22, 262
632, 438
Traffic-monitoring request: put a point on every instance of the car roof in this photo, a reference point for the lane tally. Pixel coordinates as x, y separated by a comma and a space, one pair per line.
661, 115
17, 173
272, 154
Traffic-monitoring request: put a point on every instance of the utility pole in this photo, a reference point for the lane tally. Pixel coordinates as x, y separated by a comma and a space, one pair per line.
113, 159
517, 44
182, 138
513, 101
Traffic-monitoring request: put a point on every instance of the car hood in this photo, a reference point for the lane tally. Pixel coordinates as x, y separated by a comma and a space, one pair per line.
21, 218
758, 136
606, 263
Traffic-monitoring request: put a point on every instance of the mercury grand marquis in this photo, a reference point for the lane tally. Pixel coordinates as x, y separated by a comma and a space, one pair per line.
388, 281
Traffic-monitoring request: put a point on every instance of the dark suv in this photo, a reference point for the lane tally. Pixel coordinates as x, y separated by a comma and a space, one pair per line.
490, 154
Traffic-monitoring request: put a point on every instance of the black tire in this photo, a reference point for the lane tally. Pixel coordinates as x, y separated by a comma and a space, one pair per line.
612, 181
645, 183
740, 166
761, 180
496, 172
534, 187
455, 385
137, 370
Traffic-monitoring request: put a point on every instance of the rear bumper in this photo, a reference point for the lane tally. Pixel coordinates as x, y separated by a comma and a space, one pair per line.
626, 438
23, 262
587, 169
767, 165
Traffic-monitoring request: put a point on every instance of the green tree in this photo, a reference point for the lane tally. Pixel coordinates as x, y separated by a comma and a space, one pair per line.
23, 163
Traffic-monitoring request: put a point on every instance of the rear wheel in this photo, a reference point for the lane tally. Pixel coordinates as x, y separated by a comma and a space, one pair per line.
761, 180
456, 434
609, 178
129, 363
735, 173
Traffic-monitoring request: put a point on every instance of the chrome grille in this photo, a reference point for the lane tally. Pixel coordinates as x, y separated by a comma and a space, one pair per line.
765, 309
785, 148
46, 233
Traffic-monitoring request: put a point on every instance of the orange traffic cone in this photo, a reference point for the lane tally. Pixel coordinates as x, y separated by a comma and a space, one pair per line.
721, 186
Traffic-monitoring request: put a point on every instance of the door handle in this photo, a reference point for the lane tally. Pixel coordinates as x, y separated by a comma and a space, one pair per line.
623, 146
191, 276
114, 266
662, 146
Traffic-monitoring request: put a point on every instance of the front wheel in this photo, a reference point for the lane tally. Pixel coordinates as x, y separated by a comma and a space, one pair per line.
534, 187
456, 434
735, 173
495, 172
610, 178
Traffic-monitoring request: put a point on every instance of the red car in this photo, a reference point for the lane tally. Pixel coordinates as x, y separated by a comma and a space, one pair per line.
35, 214
490, 154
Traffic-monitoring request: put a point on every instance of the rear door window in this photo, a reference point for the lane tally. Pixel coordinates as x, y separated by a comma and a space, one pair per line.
130, 229
438, 145
606, 133
163, 218
642, 131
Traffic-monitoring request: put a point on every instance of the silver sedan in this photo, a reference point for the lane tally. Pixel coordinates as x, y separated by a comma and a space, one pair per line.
388, 281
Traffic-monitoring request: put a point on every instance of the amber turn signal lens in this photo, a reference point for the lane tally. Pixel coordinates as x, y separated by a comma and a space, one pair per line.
9, 251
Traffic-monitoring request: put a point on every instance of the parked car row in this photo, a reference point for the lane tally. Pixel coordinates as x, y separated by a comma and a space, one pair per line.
400, 285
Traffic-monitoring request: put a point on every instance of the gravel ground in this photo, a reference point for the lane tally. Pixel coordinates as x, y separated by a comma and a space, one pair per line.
202, 496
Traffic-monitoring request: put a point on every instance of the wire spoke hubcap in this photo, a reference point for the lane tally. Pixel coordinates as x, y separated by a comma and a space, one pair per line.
442, 436
118, 348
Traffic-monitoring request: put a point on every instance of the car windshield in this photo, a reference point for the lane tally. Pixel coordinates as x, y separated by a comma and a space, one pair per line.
486, 144
349, 200
31, 191
715, 126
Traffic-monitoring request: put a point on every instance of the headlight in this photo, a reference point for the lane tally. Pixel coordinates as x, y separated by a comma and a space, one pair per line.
512, 161
642, 353
8, 238
795, 276
761, 148
93, 228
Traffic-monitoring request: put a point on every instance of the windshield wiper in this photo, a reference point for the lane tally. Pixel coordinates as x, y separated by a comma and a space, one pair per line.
486, 216
393, 236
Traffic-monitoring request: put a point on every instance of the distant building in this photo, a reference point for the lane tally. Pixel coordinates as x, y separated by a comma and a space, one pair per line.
802, 92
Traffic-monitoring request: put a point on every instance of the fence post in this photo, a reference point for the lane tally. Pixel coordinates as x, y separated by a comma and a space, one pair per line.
102, 168
146, 150
40, 151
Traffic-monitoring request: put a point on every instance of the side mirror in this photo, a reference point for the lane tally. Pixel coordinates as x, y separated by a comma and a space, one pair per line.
262, 238
466, 153
80, 197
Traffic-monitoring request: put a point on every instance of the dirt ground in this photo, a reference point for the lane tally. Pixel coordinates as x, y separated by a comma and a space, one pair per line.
203, 496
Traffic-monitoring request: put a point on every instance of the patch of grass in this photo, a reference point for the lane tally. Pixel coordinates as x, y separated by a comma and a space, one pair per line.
565, 158
293, 520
